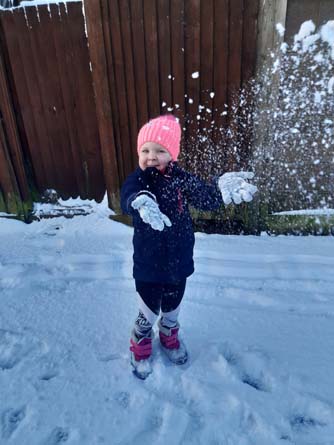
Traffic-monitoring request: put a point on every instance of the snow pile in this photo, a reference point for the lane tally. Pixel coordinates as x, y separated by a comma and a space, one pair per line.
309, 212
71, 207
295, 160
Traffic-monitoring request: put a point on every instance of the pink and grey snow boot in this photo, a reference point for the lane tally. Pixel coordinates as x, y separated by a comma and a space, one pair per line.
173, 347
141, 350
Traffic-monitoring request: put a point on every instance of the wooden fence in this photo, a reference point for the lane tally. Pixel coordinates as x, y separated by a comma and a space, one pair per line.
14, 188
71, 106
50, 85
149, 57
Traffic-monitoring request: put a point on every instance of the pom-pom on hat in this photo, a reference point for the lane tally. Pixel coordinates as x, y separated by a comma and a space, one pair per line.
163, 130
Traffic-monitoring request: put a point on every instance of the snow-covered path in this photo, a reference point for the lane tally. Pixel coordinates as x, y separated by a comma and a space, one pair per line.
258, 320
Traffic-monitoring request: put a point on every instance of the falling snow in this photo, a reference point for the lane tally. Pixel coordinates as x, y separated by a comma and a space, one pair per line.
294, 159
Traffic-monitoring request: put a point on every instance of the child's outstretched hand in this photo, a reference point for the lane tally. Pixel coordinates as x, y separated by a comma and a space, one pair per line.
234, 187
150, 213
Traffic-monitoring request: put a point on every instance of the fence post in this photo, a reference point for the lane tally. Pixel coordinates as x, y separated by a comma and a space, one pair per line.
95, 30
271, 13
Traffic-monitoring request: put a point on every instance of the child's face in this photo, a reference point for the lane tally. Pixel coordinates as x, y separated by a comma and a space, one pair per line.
152, 154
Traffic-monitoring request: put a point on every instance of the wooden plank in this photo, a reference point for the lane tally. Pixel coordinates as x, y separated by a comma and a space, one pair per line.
249, 40
139, 61
234, 80
248, 69
52, 96
111, 73
269, 40
192, 65
207, 45
3, 206
18, 44
85, 111
280, 17
131, 147
64, 54
97, 53
220, 70
56, 32
124, 155
177, 58
165, 63
5, 176
205, 110
152, 57
265, 33
8, 184
235, 49
270, 13
8, 115
38, 75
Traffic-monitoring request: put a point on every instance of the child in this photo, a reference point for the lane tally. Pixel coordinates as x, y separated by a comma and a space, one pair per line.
157, 195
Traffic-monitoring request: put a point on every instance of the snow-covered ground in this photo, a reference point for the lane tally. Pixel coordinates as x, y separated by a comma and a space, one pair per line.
258, 320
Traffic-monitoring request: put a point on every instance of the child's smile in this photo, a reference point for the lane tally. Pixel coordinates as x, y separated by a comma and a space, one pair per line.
152, 154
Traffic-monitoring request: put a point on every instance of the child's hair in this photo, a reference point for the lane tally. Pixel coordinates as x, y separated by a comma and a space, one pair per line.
163, 130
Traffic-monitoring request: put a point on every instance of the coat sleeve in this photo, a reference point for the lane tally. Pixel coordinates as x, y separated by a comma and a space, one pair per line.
200, 194
136, 184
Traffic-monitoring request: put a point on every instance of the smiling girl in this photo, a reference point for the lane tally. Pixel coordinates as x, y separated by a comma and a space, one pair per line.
157, 195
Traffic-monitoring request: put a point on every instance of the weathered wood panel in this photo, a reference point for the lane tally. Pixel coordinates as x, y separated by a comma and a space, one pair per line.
10, 134
220, 69
98, 26
177, 20
153, 48
10, 198
50, 65
81, 126
14, 189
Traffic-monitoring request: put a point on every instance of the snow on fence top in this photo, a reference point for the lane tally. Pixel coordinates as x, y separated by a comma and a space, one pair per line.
10, 4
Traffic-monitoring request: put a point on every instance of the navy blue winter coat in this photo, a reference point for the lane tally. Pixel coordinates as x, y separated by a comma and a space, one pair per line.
167, 256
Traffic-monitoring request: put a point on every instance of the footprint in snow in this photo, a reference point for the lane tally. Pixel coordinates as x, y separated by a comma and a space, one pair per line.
300, 422
14, 347
52, 230
250, 367
49, 370
58, 436
310, 414
11, 420
122, 398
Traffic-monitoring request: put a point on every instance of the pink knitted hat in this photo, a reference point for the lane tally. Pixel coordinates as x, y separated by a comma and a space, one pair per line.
163, 130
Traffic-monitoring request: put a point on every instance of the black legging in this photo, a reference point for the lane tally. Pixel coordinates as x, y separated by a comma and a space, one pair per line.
164, 297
